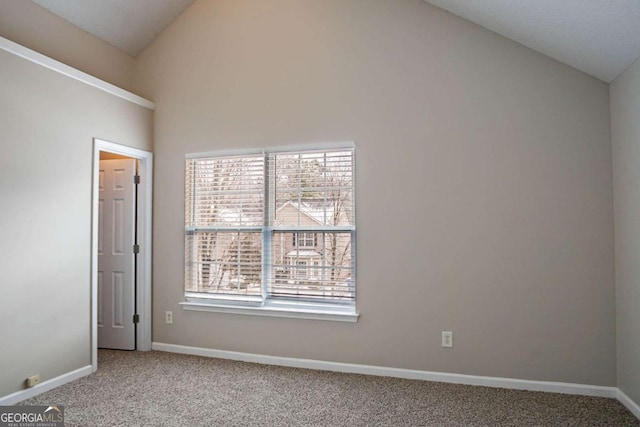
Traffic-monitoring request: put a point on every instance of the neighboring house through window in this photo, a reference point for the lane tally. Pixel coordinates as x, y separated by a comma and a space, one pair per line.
269, 228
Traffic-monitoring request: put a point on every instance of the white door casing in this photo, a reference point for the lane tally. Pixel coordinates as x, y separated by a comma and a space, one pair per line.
143, 288
116, 231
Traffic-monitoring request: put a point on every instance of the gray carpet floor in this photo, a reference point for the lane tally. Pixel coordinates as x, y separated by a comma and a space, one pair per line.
163, 389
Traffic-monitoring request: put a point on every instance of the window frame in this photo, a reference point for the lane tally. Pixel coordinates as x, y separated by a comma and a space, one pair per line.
265, 304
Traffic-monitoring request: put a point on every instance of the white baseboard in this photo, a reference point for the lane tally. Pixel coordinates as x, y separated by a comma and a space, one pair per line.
44, 386
547, 386
630, 404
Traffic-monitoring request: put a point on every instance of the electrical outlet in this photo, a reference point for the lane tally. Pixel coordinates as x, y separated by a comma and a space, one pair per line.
33, 380
447, 339
168, 317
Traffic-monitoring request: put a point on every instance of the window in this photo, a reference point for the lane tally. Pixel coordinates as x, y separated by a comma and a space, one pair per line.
273, 229
304, 240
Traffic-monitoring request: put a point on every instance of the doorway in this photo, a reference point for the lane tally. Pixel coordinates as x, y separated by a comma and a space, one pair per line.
138, 234
118, 182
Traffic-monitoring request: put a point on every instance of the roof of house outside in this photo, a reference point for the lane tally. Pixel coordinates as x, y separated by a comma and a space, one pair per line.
319, 215
236, 216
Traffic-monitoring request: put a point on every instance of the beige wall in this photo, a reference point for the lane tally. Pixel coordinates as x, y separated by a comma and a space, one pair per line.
625, 133
47, 122
32, 26
482, 166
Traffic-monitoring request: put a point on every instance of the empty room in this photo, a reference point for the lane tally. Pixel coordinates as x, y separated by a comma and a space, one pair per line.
320, 212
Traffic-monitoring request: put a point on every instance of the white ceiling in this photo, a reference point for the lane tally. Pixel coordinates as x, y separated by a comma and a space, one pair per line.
129, 25
599, 37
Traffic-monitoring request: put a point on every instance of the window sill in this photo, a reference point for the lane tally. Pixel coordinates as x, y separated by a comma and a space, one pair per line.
276, 310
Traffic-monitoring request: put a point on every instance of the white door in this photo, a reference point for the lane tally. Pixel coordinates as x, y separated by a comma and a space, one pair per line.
116, 234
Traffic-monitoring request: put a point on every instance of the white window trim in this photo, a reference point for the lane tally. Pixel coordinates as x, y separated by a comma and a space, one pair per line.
272, 308
261, 305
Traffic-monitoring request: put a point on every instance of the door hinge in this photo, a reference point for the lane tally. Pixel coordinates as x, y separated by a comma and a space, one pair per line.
136, 249
136, 318
136, 179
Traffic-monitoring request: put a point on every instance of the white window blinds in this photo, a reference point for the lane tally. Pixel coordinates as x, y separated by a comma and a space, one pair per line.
313, 225
224, 205
279, 225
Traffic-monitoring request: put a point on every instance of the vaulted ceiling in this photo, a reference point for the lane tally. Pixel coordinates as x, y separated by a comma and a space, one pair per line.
599, 37
129, 25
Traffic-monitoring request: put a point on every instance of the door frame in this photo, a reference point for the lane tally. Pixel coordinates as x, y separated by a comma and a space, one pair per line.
143, 288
